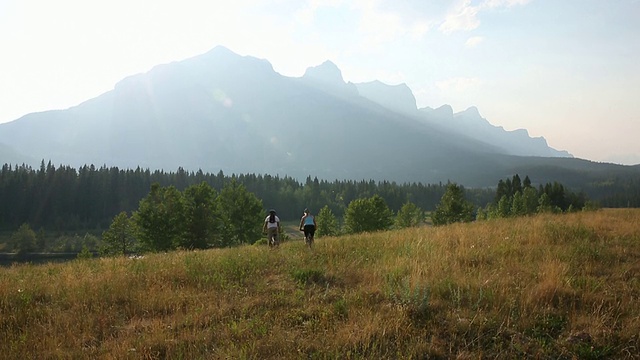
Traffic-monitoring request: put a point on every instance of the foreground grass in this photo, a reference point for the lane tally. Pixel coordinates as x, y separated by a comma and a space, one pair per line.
563, 286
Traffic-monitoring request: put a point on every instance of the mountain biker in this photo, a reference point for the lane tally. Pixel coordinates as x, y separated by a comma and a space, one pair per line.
271, 227
308, 225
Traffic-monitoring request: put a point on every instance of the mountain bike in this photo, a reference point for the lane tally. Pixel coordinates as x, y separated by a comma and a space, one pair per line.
272, 239
308, 239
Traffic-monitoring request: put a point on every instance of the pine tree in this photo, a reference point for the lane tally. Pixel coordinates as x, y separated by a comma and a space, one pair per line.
517, 205
453, 207
530, 200
202, 220
24, 239
327, 222
160, 219
241, 214
119, 239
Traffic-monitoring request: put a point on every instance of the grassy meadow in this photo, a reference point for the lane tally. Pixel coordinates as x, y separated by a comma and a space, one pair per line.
548, 286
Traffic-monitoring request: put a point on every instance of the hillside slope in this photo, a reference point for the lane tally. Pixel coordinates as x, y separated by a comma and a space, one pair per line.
562, 286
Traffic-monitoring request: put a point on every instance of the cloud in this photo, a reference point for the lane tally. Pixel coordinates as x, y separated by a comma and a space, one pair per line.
474, 41
378, 21
306, 15
419, 30
458, 84
462, 18
464, 15
381, 22
504, 3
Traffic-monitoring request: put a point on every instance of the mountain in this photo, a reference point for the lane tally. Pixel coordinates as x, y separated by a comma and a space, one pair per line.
222, 111
398, 98
10, 156
469, 123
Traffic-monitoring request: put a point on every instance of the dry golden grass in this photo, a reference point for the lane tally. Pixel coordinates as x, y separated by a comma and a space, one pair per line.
549, 286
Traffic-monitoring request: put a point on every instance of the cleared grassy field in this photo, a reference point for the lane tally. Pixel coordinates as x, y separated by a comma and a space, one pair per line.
549, 286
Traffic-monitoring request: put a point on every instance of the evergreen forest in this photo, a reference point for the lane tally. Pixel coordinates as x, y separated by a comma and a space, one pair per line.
64, 200
68, 199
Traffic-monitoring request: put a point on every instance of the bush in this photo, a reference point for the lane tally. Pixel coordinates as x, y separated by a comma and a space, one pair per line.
371, 214
327, 223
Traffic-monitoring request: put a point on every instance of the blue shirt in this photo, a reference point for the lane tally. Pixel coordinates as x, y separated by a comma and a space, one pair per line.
308, 220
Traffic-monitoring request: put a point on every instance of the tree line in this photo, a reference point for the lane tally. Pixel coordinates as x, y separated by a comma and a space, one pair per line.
64, 199
514, 197
201, 218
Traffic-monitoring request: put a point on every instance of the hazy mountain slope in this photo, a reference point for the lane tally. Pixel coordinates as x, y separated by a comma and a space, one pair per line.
471, 123
398, 98
9, 156
467, 123
222, 111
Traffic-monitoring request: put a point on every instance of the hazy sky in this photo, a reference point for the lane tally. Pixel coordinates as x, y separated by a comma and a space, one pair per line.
568, 70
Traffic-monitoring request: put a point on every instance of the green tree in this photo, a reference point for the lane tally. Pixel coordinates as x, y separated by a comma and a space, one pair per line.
544, 204
530, 199
327, 222
368, 214
516, 184
453, 207
241, 213
501, 190
119, 239
517, 205
591, 206
160, 219
409, 215
504, 207
24, 239
482, 214
490, 212
85, 253
202, 225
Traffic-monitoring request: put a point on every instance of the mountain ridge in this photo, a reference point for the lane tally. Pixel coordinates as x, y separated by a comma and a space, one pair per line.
223, 111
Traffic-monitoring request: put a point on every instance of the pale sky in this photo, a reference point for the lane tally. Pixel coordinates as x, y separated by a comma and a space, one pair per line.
567, 70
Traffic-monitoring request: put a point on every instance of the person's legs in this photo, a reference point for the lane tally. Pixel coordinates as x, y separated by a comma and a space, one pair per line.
272, 233
309, 231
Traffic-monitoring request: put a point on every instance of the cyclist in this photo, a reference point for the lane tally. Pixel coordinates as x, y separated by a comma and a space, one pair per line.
271, 227
308, 225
